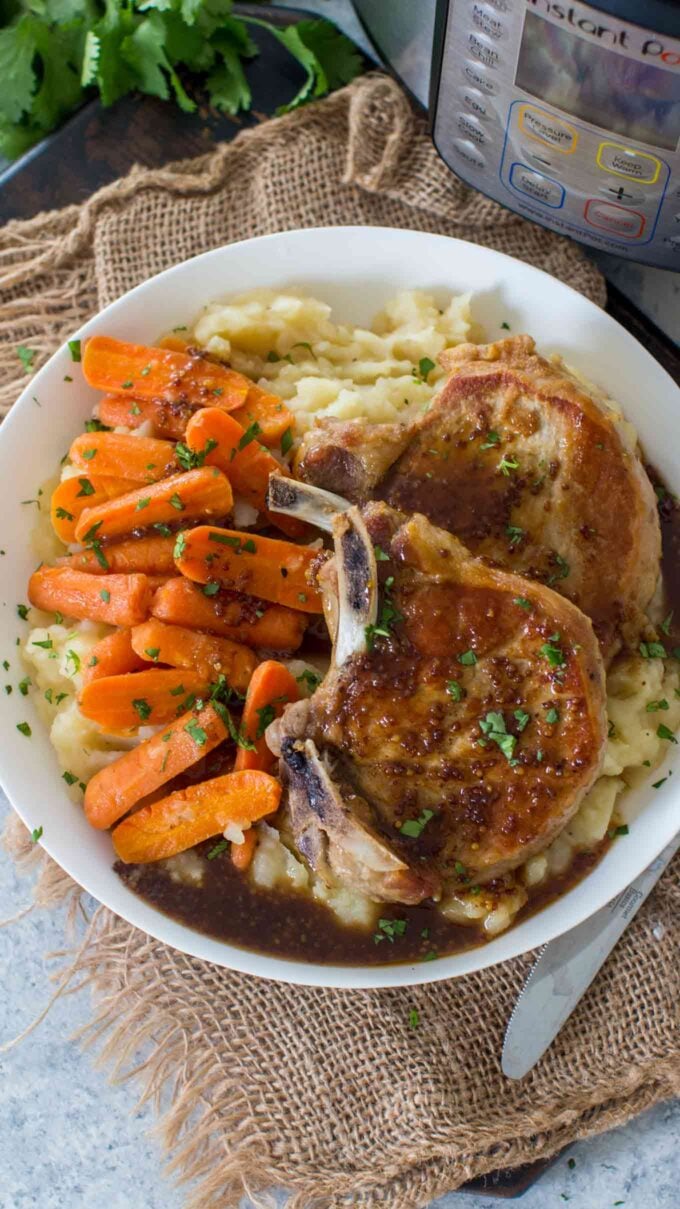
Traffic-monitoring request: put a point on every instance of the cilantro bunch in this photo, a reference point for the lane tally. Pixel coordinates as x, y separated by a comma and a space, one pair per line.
54, 54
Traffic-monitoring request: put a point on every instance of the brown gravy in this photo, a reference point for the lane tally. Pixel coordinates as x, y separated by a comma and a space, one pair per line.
292, 926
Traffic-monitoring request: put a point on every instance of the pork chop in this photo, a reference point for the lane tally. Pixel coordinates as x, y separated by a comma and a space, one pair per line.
460, 724
525, 466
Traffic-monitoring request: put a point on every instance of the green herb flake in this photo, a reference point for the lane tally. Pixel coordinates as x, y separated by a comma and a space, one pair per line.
24, 685
105, 595
653, 706
658, 784
389, 929
86, 488
70, 778
63, 515
468, 658
225, 539
664, 732
455, 690
413, 1018
652, 650
180, 544
425, 367
45, 643
176, 502
505, 326
492, 438
235, 734
249, 435
27, 356
554, 654
311, 680
89, 454
515, 534
563, 570
143, 503
73, 661
552, 716
286, 441
522, 718
507, 464
665, 626
494, 728
265, 715
37, 834
24, 729
211, 589
413, 828
75, 350
220, 847
22, 610
380, 555
141, 708
162, 528
249, 546
177, 691
152, 651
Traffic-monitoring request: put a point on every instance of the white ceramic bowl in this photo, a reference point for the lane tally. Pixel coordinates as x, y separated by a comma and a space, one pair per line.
354, 269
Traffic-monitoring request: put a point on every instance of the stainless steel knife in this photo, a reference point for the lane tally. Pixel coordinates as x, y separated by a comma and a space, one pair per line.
565, 968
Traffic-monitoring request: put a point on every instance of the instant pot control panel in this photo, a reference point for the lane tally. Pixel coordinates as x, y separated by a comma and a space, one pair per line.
566, 115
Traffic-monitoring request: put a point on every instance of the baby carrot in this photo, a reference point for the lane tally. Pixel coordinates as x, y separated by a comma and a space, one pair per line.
74, 495
141, 698
169, 419
269, 412
269, 691
142, 459
198, 493
112, 656
216, 436
206, 654
151, 555
261, 566
117, 788
252, 622
242, 854
155, 373
187, 817
122, 600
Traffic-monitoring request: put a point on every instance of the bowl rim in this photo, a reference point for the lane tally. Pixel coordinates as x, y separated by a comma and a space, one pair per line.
537, 929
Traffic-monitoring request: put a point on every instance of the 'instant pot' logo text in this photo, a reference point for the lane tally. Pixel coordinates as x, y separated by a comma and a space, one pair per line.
607, 34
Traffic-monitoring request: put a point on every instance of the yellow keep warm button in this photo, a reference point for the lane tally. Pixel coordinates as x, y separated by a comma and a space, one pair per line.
624, 161
540, 124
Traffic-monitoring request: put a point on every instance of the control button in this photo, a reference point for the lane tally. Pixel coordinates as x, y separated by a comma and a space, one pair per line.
625, 161
673, 241
487, 21
543, 159
607, 216
537, 186
541, 125
623, 194
476, 74
471, 129
502, 6
476, 102
480, 47
471, 154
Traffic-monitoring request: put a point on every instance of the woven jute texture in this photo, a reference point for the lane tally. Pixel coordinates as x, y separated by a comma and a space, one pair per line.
331, 1094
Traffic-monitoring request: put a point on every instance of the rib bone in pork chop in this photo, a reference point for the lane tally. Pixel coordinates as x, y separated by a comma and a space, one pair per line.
527, 468
460, 724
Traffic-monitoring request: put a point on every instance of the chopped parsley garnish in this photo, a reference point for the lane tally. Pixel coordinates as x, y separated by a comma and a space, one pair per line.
455, 690
96, 426
665, 626
74, 349
86, 487
431, 956
310, 679
388, 617
286, 441
235, 734
494, 728
72, 660
425, 367
105, 595
197, 732
468, 658
90, 535
180, 545
389, 929
127, 385
45, 643
22, 610
653, 706
249, 435
413, 827
664, 732
622, 829
152, 651
24, 685
562, 571
380, 555
142, 708
225, 539
135, 410
652, 650
413, 1018
162, 528
552, 716
36, 834
89, 454
220, 847
265, 716
249, 546
554, 654
177, 691
27, 356
192, 459
176, 502
144, 503
515, 534
24, 729
507, 464
70, 778
211, 589
63, 515
522, 718
492, 438
505, 326
96, 548
658, 784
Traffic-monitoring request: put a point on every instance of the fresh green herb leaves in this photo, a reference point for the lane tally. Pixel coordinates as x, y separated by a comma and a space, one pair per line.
86, 487
180, 544
468, 659
492, 438
142, 708
211, 589
552, 715
389, 929
161, 528
286, 441
455, 690
523, 603
197, 732
249, 435
414, 827
220, 847
265, 716
96, 425
664, 732
310, 679
522, 718
70, 778
143, 503
63, 515
413, 1018
26, 355
22, 611
652, 650
653, 706
493, 727
561, 572
37, 834
515, 534
507, 465
152, 651
176, 502
24, 685
388, 617
74, 349
193, 459
554, 654
24, 729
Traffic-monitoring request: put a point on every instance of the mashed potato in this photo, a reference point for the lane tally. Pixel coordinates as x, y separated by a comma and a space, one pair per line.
290, 344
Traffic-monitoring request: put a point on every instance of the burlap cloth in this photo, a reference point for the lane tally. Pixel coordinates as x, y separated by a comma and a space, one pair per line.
330, 1093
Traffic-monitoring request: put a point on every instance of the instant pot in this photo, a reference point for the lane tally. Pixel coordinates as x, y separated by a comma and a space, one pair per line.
568, 113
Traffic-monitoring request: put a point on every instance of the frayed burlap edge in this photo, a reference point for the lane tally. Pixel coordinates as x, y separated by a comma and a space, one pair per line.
138, 1038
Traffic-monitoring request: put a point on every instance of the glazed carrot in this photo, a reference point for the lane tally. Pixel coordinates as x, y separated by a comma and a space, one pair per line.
269, 691
141, 698
141, 459
151, 555
261, 566
175, 343
198, 493
187, 817
269, 411
242, 854
252, 622
157, 581
169, 419
117, 788
119, 600
154, 373
74, 495
112, 656
204, 653
225, 443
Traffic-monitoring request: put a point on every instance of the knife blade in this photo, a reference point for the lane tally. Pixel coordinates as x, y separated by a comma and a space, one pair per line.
565, 968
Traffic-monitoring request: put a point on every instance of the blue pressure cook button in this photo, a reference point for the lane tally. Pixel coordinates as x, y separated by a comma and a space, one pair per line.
539, 188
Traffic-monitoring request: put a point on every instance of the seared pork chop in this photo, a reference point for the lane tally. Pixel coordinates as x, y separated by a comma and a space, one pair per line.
461, 721
527, 468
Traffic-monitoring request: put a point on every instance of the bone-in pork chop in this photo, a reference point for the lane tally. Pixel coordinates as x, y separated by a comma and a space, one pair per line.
461, 721
527, 468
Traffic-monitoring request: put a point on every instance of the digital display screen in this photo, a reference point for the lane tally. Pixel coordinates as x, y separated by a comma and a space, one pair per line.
599, 85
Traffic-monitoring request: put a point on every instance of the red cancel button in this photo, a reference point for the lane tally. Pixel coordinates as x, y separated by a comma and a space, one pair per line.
618, 220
